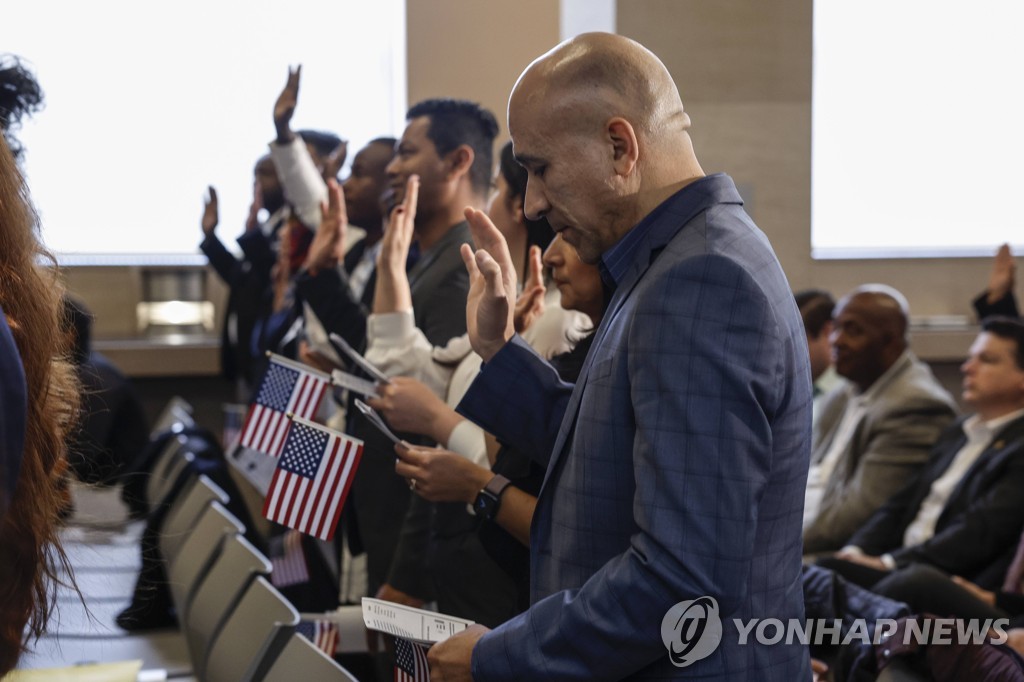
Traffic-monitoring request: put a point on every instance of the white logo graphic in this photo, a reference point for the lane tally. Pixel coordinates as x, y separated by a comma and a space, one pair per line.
691, 630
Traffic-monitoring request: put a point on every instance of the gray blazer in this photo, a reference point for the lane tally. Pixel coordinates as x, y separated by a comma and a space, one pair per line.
889, 447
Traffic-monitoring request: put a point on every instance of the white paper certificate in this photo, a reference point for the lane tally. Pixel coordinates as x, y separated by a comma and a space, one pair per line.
405, 621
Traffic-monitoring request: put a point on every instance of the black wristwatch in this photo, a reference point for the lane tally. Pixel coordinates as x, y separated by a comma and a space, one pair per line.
488, 500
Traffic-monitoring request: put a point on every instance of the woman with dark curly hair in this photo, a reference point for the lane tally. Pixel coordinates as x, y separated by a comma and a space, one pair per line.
39, 405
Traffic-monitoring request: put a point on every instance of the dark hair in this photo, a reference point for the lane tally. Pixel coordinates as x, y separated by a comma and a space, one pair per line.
456, 122
1008, 328
20, 95
323, 142
538, 232
389, 141
816, 306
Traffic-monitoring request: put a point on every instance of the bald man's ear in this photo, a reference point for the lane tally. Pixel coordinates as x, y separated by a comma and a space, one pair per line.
459, 161
624, 145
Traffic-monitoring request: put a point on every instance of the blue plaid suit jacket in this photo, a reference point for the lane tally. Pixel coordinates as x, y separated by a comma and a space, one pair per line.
678, 462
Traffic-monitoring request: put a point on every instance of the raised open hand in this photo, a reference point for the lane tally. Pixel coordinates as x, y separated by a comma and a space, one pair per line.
394, 250
328, 245
492, 286
284, 107
530, 304
211, 215
1001, 279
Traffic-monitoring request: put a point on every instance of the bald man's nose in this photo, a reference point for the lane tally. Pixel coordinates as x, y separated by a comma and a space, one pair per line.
535, 203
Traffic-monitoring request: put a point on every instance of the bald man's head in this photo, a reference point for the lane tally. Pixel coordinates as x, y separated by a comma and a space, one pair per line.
870, 333
600, 127
600, 75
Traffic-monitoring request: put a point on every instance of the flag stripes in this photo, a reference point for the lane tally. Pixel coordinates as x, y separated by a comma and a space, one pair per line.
312, 479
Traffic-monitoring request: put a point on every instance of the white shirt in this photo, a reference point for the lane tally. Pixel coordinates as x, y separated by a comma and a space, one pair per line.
303, 187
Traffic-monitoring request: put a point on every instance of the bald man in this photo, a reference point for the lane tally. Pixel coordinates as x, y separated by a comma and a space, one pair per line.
873, 432
676, 466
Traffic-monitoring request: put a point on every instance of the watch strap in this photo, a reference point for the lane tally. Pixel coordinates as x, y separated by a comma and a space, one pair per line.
496, 486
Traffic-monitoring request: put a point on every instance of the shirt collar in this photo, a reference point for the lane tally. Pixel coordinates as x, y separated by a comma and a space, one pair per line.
661, 223
975, 429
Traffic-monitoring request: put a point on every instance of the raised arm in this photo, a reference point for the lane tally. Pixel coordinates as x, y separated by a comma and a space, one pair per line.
304, 187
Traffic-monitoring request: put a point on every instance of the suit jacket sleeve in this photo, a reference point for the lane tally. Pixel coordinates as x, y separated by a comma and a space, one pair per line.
706, 374
221, 260
258, 251
883, 532
1007, 305
897, 448
330, 297
519, 398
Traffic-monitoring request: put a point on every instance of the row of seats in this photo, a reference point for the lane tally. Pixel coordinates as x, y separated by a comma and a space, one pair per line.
237, 626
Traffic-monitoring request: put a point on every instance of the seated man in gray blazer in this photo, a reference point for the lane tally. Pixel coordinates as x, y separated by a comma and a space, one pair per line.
963, 513
874, 432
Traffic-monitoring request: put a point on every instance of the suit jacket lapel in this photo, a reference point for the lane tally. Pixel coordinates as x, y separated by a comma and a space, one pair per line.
1007, 437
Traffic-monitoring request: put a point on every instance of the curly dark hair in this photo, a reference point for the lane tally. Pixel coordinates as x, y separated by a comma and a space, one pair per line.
20, 96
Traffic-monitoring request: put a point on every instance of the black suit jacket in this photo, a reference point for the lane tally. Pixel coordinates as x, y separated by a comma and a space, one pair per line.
979, 526
329, 295
248, 281
1007, 305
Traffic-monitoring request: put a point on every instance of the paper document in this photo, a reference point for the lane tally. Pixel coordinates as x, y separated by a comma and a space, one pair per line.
126, 671
415, 624
363, 387
360, 361
375, 419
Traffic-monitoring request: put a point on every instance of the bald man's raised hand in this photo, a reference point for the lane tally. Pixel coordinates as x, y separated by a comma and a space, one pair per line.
492, 287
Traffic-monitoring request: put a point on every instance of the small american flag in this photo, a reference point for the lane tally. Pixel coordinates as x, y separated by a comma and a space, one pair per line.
322, 633
288, 560
312, 479
411, 661
286, 387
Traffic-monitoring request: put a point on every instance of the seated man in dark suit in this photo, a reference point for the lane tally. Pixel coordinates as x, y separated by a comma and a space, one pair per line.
873, 433
963, 512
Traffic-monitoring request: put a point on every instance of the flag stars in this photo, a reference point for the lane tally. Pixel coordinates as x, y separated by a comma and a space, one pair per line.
303, 452
277, 386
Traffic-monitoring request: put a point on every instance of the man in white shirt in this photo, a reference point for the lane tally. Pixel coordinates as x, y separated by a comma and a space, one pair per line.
963, 513
873, 432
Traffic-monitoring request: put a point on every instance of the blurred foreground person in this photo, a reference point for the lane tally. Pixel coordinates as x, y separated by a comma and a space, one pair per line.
39, 400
